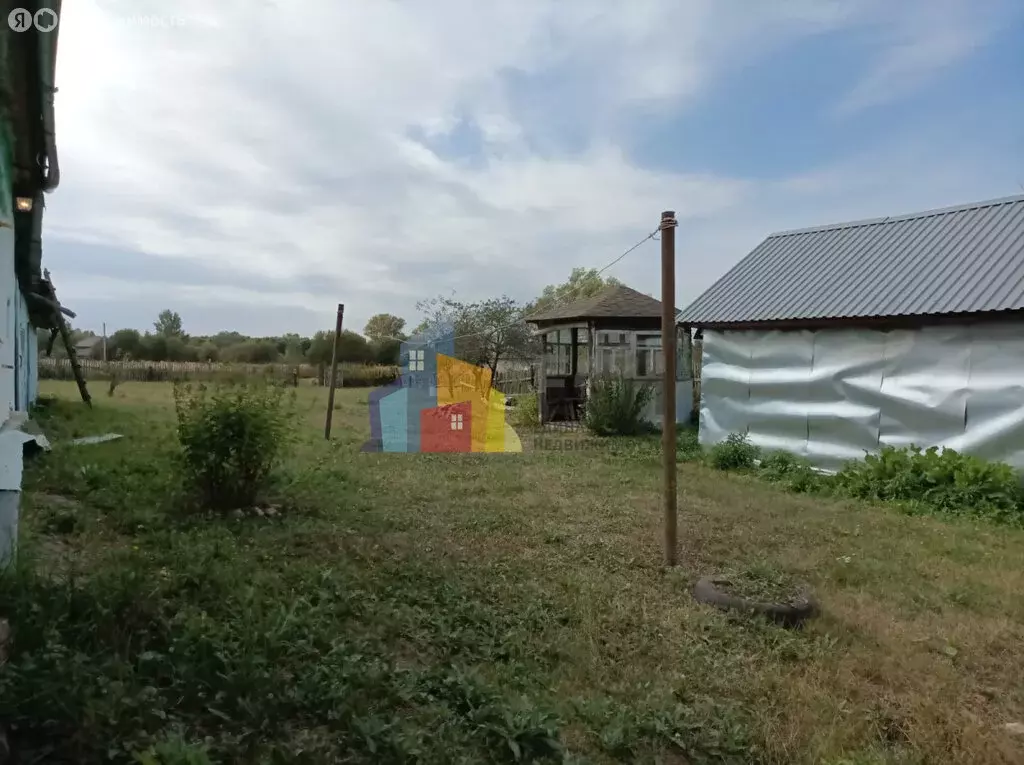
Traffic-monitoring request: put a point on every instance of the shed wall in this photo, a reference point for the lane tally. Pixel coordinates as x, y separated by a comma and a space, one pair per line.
832, 395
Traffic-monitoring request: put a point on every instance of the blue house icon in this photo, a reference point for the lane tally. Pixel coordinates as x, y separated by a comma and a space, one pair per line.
395, 408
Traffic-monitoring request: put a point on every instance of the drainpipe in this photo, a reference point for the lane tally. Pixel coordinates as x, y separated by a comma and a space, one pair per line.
47, 65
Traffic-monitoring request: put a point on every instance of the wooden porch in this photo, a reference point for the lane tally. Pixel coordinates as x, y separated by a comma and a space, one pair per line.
615, 332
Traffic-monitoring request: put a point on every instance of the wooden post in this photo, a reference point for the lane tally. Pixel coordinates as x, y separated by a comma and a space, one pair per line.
542, 385
669, 353
334, 371
76, 368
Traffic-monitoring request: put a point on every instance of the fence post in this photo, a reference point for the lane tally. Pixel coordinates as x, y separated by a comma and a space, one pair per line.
669, 354
334, 371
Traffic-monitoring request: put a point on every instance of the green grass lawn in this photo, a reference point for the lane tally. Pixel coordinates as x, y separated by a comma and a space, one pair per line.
486, 608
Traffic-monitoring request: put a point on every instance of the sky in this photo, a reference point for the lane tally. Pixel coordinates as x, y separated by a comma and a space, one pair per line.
250, 164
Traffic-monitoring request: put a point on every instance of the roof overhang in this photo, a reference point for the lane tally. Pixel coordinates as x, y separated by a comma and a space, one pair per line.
864, 322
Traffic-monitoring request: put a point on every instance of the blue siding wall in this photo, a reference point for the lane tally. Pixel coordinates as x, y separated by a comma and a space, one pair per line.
25, 363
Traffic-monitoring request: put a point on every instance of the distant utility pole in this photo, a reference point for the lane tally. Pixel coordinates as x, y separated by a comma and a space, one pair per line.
334, 371
104, 341
668, 352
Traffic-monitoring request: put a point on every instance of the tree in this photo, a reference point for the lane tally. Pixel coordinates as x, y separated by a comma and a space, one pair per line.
352, 347
168, 324
251, 351
153, 347
582, 283
124, 344
386, 351
384, 326
485, 332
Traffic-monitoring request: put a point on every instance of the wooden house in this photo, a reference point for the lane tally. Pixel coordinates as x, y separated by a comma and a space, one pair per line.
617, 332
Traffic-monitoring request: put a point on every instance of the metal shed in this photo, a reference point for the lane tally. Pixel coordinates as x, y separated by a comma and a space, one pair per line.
834, 341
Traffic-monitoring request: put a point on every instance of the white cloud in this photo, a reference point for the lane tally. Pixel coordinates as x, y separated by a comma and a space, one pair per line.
914, 44
278, 143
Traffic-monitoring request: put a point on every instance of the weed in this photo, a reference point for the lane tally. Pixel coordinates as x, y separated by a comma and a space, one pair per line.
174, 750
526, 412
734, 453
943, 481
688, 448
791, 472
231, 439
615, 406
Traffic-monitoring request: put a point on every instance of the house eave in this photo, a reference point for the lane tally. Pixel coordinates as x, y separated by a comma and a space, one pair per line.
914, 321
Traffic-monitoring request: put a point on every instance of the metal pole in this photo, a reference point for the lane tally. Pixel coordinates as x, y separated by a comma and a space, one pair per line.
334, 371
104, 341
668, 352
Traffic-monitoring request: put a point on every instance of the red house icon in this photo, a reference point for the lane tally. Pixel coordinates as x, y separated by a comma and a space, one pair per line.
447, 428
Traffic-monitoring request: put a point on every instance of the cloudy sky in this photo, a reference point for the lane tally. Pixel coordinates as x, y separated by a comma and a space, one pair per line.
251, 163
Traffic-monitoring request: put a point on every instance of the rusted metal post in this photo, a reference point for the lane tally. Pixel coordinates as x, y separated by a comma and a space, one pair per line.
334, 371
668, 352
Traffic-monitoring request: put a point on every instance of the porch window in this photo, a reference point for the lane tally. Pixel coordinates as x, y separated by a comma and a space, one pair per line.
649, 359
612, 353
583, 352
558, 352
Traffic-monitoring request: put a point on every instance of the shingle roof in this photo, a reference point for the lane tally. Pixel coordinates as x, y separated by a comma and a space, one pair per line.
962, 259
616, 301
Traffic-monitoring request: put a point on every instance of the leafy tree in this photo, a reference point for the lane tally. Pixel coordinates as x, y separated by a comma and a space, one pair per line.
153, 347
125, 343
224, 339
293, 348
207, 351
384, 326
386, 351
251, 351
352, 347
168, 324
485, 332
582, 283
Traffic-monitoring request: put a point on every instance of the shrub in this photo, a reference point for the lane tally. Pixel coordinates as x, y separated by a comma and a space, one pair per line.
231, 439
174, 750
526, 412
734, 453
615, 407
945, 481
794, 473
366, 375
688, 446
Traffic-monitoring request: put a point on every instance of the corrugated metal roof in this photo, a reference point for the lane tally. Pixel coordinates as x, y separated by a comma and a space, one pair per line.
955, 260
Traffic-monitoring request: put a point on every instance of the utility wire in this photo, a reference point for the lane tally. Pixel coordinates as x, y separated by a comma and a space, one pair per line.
494, 330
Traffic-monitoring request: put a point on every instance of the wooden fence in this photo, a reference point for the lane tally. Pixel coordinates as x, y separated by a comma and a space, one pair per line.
350, 375
510, 381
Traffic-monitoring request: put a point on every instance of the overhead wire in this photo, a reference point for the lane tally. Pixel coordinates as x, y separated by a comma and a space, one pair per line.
493, 330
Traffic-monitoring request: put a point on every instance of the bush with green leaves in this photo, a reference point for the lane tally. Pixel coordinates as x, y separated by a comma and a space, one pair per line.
943, 480
792, 472
734, 453
232, 438
615, 406
688, 448
526, 412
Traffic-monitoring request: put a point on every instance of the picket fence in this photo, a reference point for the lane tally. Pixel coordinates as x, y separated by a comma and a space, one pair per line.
511, 381
156, 371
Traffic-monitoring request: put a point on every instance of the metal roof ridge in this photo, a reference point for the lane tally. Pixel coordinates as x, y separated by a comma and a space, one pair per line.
1016, 198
